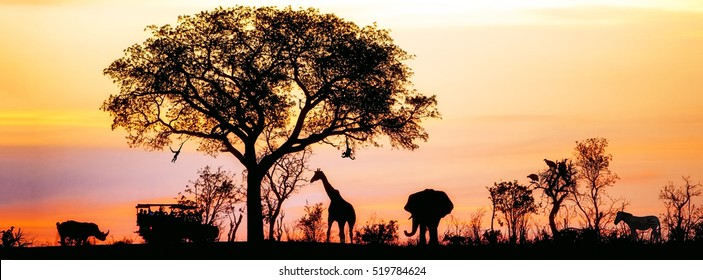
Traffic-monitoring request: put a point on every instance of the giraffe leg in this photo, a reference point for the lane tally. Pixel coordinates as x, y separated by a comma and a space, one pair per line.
341, 232
351, 233
329, 227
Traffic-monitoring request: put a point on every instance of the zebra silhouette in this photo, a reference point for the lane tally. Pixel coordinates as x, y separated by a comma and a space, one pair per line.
641, 223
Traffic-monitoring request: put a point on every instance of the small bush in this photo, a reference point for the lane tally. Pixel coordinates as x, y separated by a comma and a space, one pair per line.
492, 236
12, 238
698, 231
311, 223
380, 233
461, 233
124, 241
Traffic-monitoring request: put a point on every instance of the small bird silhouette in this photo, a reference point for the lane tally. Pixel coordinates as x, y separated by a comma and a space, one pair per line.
533, 177
550, 163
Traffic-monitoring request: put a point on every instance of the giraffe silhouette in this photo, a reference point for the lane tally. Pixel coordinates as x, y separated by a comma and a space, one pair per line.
339, 211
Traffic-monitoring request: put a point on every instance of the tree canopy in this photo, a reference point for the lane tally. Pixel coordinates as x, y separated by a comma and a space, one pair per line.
212, 194
593, 169
516, 203
557, 183
260, 83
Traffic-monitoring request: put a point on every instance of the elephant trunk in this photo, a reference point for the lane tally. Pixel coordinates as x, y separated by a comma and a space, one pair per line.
415, 226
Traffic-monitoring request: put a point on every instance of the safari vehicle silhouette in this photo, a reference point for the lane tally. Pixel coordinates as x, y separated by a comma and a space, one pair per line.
173, 223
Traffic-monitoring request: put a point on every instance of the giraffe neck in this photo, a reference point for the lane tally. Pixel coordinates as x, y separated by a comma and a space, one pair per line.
328, 187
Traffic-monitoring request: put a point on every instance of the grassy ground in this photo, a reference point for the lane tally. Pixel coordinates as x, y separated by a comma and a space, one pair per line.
322, 251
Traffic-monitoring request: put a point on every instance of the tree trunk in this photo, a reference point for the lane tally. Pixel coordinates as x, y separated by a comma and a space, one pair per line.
270, 230
255, 222
552, 217
272, 221
493, 217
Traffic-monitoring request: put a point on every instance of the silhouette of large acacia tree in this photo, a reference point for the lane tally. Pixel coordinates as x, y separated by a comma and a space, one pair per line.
242, 79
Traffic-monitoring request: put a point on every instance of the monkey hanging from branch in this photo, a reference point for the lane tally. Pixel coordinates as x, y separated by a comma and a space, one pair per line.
177, 152
349, 152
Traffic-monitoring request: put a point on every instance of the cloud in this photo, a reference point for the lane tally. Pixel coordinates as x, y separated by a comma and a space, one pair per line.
92, 118
608, 15
41, 2
37, 3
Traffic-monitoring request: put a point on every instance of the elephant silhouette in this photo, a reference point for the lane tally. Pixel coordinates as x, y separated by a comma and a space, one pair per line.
427, 207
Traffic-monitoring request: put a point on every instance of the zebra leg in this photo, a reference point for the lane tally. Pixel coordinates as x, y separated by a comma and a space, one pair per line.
656, 234
633, 234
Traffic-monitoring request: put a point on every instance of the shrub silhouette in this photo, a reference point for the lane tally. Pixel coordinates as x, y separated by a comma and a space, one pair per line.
379, 233
12, 238
311, 223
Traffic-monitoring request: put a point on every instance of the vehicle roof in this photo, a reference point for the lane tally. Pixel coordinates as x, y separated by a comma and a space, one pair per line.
170, 205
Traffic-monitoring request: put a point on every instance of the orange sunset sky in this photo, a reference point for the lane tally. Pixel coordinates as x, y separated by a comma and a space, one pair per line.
516, 82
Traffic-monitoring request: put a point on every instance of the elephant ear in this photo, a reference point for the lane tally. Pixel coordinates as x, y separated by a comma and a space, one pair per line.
414, 202
444, 204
